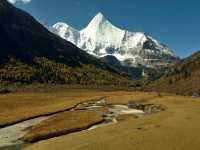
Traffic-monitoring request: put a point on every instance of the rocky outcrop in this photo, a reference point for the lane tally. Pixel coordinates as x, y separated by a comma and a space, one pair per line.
147, 108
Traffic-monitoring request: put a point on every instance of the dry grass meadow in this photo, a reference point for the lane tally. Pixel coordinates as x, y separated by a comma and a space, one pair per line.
63, 123
16, 107
176, 128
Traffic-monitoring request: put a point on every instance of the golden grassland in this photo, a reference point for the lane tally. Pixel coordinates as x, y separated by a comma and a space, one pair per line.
177, 128
21, 106
76, 120
174, 129
16, 107
63, 123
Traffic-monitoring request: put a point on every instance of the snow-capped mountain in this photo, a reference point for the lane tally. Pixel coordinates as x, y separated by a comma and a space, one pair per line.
100, 38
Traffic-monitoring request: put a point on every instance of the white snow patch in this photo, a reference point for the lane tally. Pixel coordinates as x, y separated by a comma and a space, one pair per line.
101, 38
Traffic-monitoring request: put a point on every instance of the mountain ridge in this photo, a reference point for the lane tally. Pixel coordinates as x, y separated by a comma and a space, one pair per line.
100, 38
182, 78
30, 53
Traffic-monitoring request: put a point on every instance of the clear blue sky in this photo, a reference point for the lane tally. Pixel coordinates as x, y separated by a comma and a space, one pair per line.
175, 23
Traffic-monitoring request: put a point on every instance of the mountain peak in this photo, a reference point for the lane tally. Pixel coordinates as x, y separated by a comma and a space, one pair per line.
98, 21
102, 38
99, 15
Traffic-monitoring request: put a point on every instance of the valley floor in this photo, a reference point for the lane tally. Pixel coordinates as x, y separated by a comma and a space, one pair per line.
176, 128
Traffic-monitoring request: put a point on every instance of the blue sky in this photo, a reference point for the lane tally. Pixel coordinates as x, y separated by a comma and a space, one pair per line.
175, 23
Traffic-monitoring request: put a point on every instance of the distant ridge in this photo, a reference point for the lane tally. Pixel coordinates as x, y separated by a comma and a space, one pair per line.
183, 78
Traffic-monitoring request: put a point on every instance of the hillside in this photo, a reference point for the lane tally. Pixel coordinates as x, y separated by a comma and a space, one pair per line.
30, 53
183, 78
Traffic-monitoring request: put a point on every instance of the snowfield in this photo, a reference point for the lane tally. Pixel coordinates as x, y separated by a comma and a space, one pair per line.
100, 38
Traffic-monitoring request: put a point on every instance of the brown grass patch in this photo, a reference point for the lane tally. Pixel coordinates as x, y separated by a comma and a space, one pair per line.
174, 129
17, 107
64, 123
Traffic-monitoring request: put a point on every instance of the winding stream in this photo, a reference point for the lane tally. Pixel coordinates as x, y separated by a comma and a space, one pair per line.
115, 111
10, 136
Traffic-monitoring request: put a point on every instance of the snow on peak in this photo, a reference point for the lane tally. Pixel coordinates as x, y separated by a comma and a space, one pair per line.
60, 26
98, 22
66, 32
100, 38
99, 17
